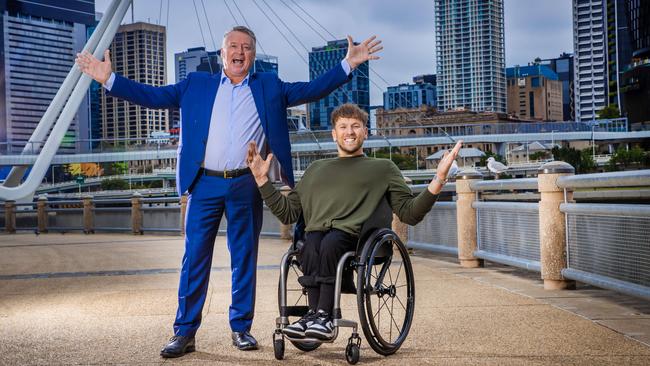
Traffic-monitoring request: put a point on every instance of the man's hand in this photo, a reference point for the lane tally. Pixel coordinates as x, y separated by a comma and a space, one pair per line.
259, 167
362, 52
443, 168
90, 65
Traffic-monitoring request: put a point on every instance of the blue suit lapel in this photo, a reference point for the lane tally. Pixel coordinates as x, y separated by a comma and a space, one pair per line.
210, 96
257, 89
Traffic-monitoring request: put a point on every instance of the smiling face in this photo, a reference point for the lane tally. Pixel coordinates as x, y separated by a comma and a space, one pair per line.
349, 134
238, 54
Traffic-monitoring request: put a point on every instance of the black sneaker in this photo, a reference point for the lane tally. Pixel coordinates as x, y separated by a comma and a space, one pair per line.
297, 329
322, 327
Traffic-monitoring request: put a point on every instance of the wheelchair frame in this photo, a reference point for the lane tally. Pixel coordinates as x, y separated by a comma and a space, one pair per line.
371, 237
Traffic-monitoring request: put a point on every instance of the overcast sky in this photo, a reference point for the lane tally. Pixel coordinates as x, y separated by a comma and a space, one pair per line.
533, 29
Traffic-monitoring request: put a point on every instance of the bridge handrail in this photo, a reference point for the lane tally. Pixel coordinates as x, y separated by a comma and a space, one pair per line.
623, 210
505, 184
634, 178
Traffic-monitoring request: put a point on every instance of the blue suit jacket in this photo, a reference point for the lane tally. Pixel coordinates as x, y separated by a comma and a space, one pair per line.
195, 97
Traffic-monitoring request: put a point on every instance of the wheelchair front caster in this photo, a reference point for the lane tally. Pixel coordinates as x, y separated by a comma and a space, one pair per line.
352, 350
352, 354
278, 346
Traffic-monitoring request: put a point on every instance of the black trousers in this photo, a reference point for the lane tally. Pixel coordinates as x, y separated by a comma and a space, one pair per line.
319, 258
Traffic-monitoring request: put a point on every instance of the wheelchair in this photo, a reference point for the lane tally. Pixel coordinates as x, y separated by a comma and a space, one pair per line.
385, 291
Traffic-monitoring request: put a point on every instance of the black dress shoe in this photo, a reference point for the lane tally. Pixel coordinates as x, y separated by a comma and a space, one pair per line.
244, 341
178, 346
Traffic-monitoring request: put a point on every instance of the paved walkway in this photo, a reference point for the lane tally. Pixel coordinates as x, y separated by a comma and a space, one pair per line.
110, 299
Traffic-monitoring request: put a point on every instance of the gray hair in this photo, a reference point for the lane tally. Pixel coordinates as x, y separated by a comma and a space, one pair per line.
242, 29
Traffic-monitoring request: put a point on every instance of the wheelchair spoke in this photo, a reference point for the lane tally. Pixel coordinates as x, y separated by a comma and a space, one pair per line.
298, 301
400, 301
396, 326
399, 270
379, 306
295, 271
390, 333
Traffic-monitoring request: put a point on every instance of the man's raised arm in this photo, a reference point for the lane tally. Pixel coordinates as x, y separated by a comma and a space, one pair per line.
168, 96
298, 93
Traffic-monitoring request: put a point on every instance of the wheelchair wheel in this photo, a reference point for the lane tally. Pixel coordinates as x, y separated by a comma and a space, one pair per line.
385, 292
296, 296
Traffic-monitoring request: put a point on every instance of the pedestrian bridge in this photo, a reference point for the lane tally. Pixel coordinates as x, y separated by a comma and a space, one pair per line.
516, 271
311, 145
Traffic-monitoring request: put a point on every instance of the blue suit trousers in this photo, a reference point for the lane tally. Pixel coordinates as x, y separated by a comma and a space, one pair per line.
209, 199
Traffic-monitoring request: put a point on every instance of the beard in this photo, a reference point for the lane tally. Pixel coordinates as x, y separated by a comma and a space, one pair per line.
351, 149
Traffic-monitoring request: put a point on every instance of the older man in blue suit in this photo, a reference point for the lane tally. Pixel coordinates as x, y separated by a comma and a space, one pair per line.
220, 114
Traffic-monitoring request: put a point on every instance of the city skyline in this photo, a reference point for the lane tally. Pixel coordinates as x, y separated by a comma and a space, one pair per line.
532, 29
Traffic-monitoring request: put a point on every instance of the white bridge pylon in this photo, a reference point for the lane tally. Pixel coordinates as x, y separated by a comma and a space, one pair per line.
73, 90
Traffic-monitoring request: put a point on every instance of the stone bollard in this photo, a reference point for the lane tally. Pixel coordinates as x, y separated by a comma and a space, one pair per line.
466, 218
41, 213
89, 217
285, 230
136, 213
183, 204
10, 216
401, 229
552, 226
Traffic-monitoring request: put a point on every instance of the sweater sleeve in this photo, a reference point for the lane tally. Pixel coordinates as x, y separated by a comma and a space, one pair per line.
286, 208
409, 208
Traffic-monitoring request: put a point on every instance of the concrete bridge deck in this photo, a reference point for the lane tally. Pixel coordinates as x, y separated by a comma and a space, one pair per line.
110, 299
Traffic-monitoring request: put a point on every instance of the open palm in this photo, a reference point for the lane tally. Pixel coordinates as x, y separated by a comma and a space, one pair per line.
362, 52
90, 65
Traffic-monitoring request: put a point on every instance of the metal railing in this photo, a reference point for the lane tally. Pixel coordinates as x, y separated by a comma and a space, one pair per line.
608, 245
438, 230
507, 232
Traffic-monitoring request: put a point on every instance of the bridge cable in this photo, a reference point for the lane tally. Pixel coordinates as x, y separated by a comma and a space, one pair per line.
198, 20
207, 20
361, 72
319, 64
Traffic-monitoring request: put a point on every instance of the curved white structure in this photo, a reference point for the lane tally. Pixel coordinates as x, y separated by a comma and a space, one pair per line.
73, 90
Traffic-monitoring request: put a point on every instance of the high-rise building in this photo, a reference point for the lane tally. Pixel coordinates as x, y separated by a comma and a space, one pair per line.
470, 56
138, 53
38, 43
322, 59
265, 63
635, 85
412, 95
563, 67
534, 93
196, 59
602, 50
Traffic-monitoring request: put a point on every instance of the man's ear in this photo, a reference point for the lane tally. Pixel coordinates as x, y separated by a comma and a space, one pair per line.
334, 133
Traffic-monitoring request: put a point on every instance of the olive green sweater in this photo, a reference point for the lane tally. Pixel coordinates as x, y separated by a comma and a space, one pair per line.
342, 193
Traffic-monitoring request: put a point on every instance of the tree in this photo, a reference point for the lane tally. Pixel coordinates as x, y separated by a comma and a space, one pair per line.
539, 155
117, 168
582, 161
623, 158
609, 112
403, 161
114, 184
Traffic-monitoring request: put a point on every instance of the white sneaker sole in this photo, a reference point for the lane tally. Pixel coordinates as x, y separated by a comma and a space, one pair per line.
322, 335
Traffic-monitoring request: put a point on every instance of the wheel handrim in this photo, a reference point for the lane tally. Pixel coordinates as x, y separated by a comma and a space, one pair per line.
389, 294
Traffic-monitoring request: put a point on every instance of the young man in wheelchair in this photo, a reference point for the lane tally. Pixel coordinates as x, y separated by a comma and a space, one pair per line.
336, 196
